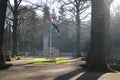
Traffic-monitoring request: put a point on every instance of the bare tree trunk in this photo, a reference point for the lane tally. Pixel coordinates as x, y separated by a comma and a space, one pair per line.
15, 22
3, 6
78, 22
97, 54
78, 52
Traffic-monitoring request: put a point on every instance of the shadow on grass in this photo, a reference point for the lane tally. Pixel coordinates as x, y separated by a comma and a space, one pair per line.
84, 76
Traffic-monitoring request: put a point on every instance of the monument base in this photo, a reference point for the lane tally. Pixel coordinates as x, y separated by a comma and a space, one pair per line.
54, 52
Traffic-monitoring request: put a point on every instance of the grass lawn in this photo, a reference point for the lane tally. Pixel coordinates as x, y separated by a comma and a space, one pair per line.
49, 61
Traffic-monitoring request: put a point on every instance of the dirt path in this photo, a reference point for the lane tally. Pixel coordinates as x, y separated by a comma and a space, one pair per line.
22, 71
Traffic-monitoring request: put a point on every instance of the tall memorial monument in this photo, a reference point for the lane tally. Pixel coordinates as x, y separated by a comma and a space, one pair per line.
46, 46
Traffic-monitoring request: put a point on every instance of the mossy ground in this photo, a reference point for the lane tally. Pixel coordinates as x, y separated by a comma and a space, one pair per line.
49, 61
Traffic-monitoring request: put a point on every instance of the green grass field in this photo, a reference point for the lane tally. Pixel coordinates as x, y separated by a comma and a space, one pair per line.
49, 61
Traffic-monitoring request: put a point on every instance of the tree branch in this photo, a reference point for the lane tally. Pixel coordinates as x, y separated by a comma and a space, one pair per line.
19, 2
10, 6
9, 18
85, 16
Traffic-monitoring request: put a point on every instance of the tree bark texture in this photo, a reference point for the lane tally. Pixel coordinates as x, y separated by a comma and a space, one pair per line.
78, 22
97, 54
15, 22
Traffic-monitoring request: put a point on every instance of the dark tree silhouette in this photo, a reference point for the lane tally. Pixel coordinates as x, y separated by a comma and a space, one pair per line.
96, 57
3, 6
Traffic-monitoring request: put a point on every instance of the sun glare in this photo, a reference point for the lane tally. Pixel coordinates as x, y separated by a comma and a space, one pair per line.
113, 6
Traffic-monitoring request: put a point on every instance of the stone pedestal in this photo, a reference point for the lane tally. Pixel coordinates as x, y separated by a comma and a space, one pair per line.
46, 52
